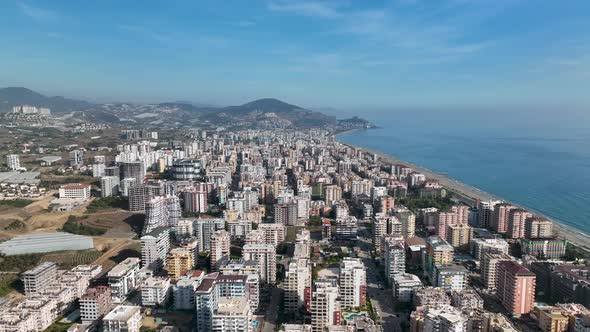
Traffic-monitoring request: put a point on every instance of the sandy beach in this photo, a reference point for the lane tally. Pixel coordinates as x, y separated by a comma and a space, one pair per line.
571, 234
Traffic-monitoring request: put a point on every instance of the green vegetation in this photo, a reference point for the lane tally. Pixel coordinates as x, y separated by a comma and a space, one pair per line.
73, 226
59, 327
415, 203
14, 203
576, 253
69, 259
7, 283
371, 310
115, 202
15, 225
315, 221
292, 233
65, 259
19, 263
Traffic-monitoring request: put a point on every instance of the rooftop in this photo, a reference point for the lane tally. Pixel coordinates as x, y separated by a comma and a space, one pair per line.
122, 313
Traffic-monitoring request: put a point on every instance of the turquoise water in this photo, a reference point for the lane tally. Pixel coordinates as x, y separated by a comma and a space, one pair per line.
538, 161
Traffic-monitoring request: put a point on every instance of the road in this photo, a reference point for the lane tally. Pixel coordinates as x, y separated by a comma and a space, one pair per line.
381, 296
270, 323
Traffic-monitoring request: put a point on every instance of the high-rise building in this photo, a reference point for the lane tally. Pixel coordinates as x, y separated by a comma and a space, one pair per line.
480, 246
37, 279
404, 285
515, 287
274, 233
296, 283
109, 186
204, 228
379, 231
156, 214
489, 267
95, 304
538, 228
173, 210
155, 246
501, 216
220, 244
437, 251
123, 279
123, 319
186, 170
133, 169
286, 214
442, 220
332, 194
12, 161
485, 211
155, 291
179, 262
216, 309
353, 282
407, 220
77, 158
394, 253
98, 170
445, 318
240, 267
137, 197
265, 256
516, 223
459, 236
195, 201
325, 307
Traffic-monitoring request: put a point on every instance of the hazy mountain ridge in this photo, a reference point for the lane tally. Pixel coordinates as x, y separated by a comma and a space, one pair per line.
261, 113
14, 96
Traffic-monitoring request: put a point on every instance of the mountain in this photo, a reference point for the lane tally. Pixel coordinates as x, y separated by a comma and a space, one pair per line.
13, 96
270, 113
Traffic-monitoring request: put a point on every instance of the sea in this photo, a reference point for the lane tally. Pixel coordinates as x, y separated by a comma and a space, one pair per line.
537, 159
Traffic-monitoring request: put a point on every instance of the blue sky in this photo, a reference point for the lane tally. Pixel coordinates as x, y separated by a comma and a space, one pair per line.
342, 54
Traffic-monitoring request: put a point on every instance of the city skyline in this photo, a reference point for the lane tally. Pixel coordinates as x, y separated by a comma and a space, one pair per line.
311, 53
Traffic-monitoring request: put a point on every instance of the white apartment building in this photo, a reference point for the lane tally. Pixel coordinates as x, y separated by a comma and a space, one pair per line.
239, 228
353, 282
154, 248
250, 270
265, 256
109, 186
95, 304
220, 244
204, 228
297, 279
98, 170
123, 319
75, 191
325, 308
155, 291
404, 285
274, 233
445, 318
39, 277
13, 161
123, 279
394, 253
302, 244
184, 291
232, 315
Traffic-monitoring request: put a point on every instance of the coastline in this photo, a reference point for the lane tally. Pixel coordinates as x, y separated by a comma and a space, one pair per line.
572, 234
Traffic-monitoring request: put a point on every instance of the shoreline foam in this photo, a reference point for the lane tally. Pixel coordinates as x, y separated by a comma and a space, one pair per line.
571, 234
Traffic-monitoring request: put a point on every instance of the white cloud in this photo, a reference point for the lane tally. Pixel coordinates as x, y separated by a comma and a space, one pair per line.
37, 13
320, 9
